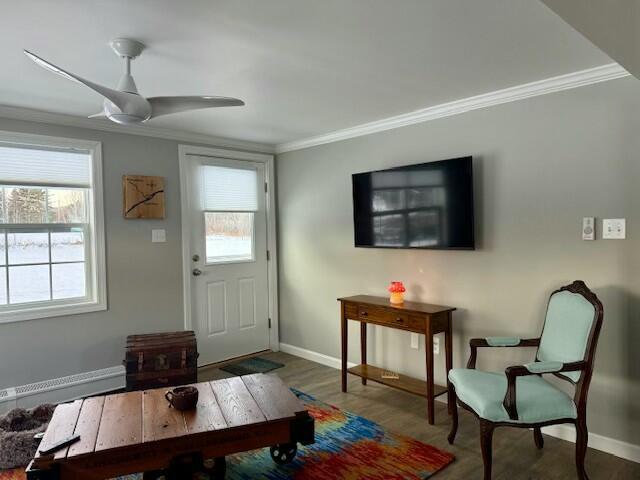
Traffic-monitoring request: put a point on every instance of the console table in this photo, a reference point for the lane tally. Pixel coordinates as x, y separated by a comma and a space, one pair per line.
409, 316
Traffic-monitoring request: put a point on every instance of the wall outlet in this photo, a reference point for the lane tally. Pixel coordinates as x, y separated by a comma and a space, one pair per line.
415, 341
614, 228
588, 228
436, 346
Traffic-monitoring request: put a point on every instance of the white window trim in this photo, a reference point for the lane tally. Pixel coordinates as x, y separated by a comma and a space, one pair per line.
98, 301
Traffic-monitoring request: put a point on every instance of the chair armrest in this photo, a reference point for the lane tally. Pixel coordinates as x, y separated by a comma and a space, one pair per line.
475, 343
534, 368
503, 341
544, 367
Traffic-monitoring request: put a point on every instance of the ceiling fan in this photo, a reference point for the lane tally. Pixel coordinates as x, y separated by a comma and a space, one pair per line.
125, 105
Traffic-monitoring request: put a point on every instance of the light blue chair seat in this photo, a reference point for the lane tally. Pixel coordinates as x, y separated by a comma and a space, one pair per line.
537, 400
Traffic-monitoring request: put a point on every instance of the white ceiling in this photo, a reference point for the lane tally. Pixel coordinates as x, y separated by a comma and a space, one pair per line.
304, 67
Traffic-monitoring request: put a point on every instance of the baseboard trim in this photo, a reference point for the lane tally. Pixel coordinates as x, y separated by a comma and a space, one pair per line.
610, 445
621, 449
320, 358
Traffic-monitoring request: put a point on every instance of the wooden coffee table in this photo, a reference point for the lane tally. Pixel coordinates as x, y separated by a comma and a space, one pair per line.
133, 432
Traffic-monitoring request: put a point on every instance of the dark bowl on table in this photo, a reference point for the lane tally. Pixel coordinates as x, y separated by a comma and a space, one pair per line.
182, 398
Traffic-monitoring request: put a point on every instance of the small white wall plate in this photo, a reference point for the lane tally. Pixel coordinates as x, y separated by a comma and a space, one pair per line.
614, 228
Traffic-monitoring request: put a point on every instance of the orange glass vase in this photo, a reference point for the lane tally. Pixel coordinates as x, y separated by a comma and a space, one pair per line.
396, 292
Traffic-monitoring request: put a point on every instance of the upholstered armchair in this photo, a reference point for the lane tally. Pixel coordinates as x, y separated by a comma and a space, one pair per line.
521, 397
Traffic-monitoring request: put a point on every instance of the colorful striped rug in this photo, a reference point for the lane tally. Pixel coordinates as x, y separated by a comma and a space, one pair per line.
348, 447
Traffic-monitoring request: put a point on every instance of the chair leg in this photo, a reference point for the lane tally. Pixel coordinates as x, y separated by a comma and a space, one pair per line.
453, 405
486, 445
582, 437
537, 437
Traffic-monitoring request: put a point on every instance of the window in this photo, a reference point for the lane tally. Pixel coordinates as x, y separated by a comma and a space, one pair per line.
51, 227
230, 200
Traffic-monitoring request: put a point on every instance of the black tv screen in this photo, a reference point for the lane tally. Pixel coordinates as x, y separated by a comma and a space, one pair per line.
429, 205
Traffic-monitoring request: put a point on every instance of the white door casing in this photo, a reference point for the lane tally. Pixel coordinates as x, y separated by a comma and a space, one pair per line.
232, 303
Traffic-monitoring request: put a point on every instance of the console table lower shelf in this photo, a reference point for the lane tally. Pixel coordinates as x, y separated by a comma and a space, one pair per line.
403, 382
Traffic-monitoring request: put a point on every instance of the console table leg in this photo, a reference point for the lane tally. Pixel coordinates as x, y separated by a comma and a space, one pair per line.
430, 388
363, 346
448, 346
343, 330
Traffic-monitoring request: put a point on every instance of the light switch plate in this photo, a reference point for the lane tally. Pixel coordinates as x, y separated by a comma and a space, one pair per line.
158, 235
614, 228
415, 341
436, 346
588, 228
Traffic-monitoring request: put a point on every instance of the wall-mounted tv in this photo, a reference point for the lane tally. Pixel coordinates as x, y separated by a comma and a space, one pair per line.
429, 205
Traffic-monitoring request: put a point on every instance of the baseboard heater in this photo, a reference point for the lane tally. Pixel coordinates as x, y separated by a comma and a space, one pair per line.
62, 389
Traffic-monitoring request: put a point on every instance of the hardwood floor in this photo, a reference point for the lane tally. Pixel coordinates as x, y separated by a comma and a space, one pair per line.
514, 452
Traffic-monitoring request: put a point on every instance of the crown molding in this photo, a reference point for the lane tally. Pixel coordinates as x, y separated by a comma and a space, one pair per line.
145, 130
512, 94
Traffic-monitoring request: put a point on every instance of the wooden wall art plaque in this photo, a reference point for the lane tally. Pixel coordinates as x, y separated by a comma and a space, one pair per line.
143, 196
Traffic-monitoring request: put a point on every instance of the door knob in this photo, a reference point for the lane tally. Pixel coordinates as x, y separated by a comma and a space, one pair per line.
195, 258
197, 272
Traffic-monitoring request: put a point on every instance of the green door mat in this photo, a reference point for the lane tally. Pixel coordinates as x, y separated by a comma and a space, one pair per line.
251, 365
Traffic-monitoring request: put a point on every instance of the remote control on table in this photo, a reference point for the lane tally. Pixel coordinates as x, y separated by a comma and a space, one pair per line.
65, 442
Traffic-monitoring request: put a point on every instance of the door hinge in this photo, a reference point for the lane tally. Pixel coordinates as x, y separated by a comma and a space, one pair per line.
268, 256
269, 323
266, 187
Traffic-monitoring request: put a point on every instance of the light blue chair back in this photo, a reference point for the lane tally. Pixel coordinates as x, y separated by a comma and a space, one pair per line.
570, 317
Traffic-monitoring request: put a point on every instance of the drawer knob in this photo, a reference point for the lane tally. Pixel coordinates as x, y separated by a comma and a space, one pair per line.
364, 314
399, 319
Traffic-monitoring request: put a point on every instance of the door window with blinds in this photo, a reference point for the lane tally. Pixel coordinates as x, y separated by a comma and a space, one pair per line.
230, 201
51, 256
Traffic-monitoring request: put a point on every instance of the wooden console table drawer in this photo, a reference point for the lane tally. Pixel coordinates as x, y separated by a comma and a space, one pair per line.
417, 323
380, 315
386, 317
409, 316
351, 310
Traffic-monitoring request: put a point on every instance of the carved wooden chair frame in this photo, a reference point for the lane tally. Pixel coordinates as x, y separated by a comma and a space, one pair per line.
584, 366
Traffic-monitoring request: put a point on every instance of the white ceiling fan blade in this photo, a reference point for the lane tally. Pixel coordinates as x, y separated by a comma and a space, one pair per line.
168, 105
120, 99
98, 115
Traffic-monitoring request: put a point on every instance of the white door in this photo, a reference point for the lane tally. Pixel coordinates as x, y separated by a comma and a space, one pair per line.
229, 278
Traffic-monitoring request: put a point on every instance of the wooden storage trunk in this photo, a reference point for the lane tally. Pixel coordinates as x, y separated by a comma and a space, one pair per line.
161, 360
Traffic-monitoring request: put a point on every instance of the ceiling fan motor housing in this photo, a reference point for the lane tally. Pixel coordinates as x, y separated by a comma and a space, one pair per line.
127, 84
133, 113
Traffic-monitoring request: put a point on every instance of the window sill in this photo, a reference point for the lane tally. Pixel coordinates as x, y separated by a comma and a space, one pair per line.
49, 311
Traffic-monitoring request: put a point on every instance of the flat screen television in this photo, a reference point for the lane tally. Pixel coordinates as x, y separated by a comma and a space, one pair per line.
429, 205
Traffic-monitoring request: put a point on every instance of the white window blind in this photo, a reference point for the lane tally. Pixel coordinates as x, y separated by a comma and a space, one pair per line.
42, 166
230, 189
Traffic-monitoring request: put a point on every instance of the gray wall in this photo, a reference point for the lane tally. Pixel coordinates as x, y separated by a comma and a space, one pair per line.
613, 26
540, 166
144, 280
